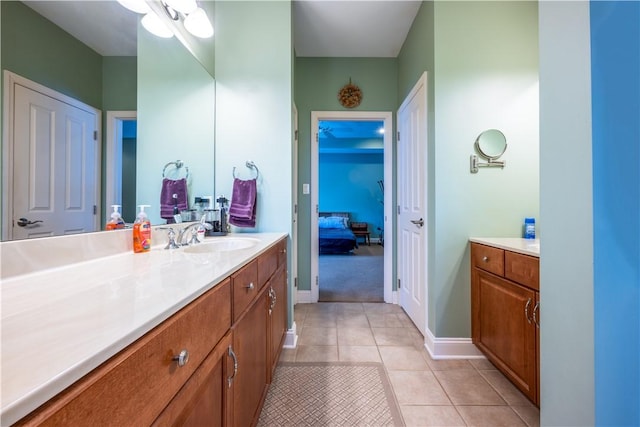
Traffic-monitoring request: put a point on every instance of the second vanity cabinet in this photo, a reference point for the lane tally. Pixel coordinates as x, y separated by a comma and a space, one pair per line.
505, 318
208, 364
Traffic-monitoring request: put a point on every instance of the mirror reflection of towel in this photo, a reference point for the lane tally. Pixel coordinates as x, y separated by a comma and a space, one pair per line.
242, 211
169, 188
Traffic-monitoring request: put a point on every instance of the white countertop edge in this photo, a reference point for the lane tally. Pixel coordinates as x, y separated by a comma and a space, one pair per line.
19, 408
514, 244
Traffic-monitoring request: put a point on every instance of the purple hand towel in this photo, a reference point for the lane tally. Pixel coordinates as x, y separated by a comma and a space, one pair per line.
242, 211
169, 188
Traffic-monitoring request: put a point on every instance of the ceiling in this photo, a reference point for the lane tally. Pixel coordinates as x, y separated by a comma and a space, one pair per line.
322, 28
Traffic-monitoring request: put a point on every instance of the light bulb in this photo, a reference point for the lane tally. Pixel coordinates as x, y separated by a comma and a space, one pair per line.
198, 24
183, 6
137, 6
152, 23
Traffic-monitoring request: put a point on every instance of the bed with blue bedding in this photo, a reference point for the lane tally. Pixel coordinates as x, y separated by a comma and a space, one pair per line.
335, 235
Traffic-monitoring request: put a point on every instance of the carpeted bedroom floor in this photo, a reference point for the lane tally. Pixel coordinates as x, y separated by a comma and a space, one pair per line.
353, 277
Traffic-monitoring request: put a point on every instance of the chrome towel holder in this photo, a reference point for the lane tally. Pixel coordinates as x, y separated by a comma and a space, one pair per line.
251, 165
178, 164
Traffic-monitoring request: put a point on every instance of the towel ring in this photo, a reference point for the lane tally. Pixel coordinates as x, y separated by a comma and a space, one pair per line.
178, 164
249, 164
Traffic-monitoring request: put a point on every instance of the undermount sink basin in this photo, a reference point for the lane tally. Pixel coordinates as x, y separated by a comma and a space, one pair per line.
222, 244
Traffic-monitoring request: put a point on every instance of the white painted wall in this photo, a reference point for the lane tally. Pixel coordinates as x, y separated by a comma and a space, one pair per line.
176, 99
566, 273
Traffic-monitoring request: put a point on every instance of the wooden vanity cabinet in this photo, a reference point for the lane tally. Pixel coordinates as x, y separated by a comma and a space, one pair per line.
233, 335
505, 313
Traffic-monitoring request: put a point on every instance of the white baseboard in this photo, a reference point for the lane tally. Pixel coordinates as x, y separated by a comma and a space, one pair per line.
303, 297
451, 348
291, 338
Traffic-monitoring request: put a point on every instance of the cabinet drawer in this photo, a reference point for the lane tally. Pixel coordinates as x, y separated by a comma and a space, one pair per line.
245, 288
267, 265
487, 258
523, 269
134, 386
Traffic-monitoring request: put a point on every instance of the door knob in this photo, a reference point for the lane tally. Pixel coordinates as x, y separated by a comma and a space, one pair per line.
23, 222
419, 222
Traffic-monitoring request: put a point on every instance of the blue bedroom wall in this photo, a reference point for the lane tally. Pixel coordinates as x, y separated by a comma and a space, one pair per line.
615, 70
349, 183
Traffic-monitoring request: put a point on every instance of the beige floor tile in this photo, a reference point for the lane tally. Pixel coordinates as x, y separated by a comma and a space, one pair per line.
322, 307
448, 364
356, 353
417, 388
355, 336
349, 307
384, 320
317, 353
505, 388
321, 320
353, 320
490, 416
468, 387
301, 308
402, 359
529, 413
318, 336
288, 355
431, 416
482, 364
380, 307
392, 336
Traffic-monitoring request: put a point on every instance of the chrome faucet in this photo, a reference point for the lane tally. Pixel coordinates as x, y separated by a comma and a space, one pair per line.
192, 227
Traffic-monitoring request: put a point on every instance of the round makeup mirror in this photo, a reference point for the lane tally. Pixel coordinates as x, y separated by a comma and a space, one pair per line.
491, 144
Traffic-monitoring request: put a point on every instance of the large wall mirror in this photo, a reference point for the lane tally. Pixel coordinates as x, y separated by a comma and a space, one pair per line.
158, 81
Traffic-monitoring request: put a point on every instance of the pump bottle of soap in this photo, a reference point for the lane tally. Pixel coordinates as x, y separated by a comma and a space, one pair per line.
142, 231
116, 222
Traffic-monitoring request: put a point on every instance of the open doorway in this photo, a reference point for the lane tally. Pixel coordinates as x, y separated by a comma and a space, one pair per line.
120, 176
351, 181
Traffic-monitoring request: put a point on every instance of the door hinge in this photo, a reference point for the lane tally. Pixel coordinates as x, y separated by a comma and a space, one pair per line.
398, 209
295, 209
95, 209
295, 135
398, 135
95, 135
317, 281
399, 284
317, 209
317, 137
295, 282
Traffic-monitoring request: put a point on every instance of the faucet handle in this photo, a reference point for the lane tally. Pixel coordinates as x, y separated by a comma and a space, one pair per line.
171, 235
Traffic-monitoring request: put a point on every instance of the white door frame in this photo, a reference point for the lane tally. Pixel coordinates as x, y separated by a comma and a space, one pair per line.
113, 158
8, 119
387, 118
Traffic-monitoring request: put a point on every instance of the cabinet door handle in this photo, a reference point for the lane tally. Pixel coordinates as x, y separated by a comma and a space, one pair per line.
182, 358
273, 298
485, 259
535, 316
235, 367
526, 310
250, 286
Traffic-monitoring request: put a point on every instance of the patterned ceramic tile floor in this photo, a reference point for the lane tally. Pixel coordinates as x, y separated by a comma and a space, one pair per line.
429, 392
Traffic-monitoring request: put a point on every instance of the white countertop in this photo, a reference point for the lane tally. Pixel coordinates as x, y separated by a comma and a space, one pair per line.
514, 244
61, 323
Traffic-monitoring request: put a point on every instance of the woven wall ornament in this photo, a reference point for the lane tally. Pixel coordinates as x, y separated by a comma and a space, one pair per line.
350, 95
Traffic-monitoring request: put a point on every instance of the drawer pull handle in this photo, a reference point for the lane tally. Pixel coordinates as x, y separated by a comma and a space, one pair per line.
250, 286
485, 259
182, 358
535, 316
235, 367
526, 310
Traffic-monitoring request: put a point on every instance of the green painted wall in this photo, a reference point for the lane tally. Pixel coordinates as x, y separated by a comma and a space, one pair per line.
317, 82
119, 83
482, 63
35, 48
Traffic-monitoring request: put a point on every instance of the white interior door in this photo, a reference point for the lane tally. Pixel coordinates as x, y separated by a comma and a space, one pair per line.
55, 166
294, 229
412, 233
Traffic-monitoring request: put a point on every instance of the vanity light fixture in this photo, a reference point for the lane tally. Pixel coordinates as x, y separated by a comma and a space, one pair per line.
152, 23
194, 18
